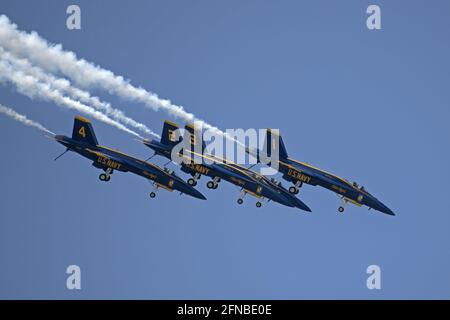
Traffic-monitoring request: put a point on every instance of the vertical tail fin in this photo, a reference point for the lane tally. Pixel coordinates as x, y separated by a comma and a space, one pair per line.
271, 147
196, 137
168, 135
83, 131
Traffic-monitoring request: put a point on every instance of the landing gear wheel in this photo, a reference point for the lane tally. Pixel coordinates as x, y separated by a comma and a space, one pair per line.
258, 204
293, 190
103, 177
341, 209
215, 186
192, 182
298, 190
240, 201
152, 194
210, 185
108, 178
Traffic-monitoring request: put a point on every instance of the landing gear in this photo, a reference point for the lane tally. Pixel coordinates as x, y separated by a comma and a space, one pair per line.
295, 189
241, 197
213, 184
155, 189
344, 203
193, 181
258, 204
106, 176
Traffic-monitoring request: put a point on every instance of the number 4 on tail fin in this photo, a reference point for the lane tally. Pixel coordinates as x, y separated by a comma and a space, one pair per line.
83, 131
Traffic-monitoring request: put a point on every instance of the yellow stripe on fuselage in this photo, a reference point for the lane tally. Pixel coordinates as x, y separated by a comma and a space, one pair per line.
163, 186
99, 154
353, 201
231, 165
253, 194
117, 151
323, 171
131, 157
318, 169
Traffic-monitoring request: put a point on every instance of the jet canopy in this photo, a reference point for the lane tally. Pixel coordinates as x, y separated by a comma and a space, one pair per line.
360, 187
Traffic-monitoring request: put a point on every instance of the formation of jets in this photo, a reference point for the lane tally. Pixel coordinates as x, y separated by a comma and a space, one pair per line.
84, 142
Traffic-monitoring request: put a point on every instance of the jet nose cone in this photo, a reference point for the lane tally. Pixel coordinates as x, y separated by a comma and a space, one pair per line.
280, 198
301, 205
382, 208
379, 206
291, 201
201, 196
196, 194
304, 207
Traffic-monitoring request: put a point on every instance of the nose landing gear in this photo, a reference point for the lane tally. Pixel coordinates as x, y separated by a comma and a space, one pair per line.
153, 193
344, 203
241, 197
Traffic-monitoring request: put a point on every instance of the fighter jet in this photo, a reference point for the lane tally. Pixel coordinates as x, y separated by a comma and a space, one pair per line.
84, 142
247, 180
300, 172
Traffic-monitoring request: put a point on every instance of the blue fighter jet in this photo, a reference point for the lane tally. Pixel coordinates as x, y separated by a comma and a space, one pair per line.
84, 142
300, 172
247, 180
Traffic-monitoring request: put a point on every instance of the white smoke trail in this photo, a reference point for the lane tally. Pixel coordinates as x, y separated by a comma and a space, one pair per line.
54, 59
65, 87
21, 118
32, 87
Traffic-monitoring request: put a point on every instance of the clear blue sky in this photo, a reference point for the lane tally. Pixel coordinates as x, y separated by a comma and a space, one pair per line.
371, 106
